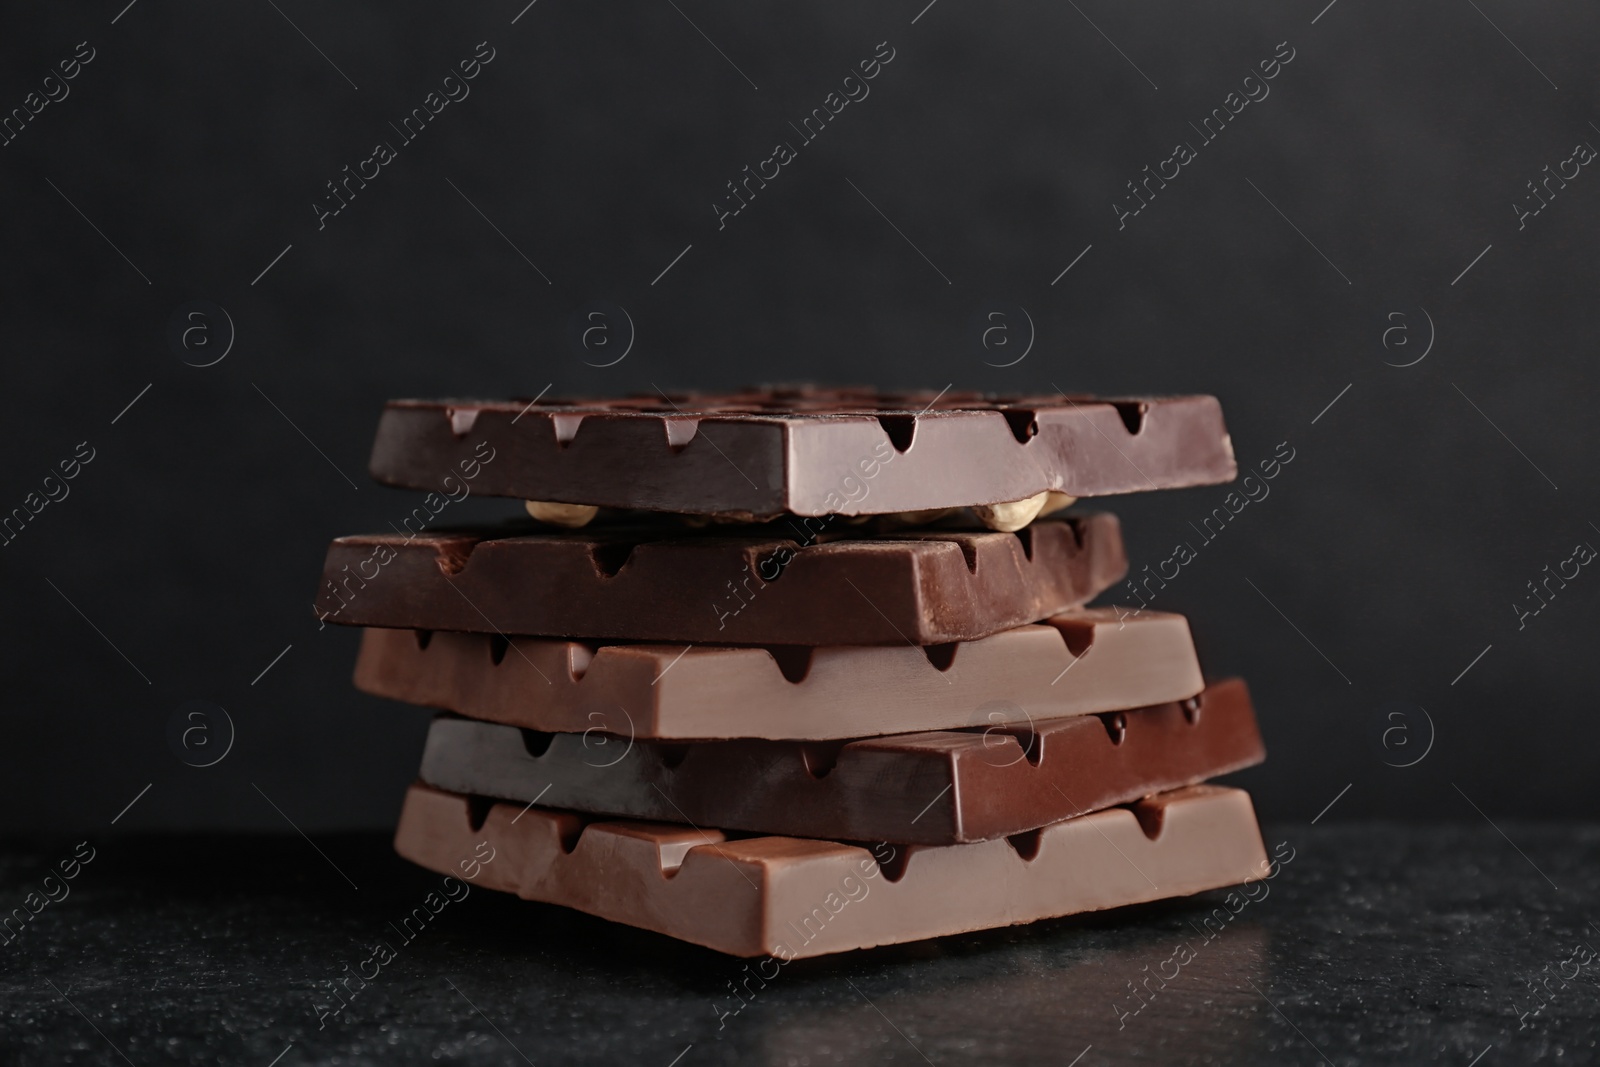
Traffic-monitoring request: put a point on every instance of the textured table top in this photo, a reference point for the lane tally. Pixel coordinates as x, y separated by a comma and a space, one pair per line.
1374, 944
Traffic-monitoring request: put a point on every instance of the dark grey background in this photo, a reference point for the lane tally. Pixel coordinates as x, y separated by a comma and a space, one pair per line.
996, 141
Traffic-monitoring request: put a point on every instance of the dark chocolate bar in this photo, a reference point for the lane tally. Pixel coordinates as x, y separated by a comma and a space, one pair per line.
787, 898
938, 788
662, 583
761, 453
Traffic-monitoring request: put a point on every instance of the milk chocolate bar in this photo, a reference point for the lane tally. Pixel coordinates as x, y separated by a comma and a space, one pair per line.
936, 788
765, 452
763, 586
1092, 660
788, 897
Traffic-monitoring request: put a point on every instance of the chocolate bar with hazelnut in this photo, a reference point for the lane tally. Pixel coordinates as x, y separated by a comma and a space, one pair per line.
760, 453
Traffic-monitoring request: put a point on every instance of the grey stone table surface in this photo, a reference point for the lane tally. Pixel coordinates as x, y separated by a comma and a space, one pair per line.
1384, 943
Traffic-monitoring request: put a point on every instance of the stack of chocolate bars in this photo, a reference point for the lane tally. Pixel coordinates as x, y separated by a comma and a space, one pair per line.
794, 671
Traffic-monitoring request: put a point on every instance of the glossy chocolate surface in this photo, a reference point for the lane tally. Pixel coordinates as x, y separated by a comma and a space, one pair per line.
761, 585
939, 787
787, 897
804, 451
1075, 663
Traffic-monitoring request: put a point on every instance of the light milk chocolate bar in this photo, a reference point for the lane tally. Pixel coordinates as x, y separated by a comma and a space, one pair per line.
788, 897
1091, 660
